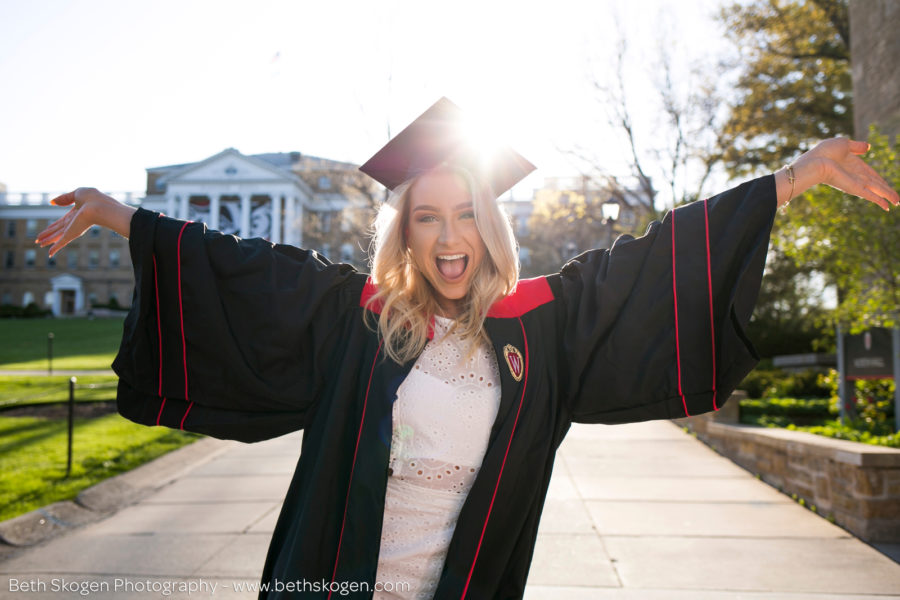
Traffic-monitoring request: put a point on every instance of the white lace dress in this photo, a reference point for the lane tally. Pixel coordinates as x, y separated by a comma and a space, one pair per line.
442, 419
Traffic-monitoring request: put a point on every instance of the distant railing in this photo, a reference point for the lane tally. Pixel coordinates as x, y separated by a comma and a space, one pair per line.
44, 198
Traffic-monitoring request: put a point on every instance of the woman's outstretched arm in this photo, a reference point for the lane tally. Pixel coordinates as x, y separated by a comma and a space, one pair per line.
89, 207
835, 162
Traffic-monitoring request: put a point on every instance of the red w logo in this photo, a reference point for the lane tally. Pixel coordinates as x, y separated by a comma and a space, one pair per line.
514, 361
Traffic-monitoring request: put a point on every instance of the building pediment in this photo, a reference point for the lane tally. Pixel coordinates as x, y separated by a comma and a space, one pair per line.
65, 281
230, 166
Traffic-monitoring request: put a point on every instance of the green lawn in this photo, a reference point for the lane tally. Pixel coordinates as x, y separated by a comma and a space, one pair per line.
33, 450
77, 343
33, 456
16, 389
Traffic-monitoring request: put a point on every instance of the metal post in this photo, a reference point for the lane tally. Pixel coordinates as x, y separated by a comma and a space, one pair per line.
50, 353
72, 381
842, 369
896, 347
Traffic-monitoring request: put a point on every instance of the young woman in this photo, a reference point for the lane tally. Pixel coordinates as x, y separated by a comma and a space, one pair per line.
433, 394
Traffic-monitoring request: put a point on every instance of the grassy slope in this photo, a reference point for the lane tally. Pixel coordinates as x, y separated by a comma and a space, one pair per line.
33, 456
15, 389
77, 343
33, 450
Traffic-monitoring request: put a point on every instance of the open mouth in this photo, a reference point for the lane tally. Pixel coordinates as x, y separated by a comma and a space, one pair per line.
452, 266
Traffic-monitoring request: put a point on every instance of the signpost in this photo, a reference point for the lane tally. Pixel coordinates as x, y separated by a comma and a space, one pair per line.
873, 354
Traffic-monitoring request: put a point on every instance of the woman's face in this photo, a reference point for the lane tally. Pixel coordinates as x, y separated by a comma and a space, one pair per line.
442, 236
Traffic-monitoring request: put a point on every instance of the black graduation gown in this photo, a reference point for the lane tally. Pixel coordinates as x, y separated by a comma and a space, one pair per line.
246, 340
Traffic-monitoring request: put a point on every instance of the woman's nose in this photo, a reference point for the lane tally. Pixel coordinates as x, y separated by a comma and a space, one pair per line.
449, 232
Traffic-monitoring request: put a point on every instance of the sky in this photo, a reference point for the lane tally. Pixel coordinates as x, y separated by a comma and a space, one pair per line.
93, 92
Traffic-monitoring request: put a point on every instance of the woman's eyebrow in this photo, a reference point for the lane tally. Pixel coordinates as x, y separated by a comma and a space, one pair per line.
462, 206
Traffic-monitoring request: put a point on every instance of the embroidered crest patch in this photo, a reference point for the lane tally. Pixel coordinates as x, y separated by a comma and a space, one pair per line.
514, 361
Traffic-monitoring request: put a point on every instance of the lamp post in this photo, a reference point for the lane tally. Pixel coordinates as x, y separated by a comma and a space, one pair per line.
610, 211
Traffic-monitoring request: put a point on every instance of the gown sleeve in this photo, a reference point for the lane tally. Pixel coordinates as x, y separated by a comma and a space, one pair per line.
225, 336
655, 326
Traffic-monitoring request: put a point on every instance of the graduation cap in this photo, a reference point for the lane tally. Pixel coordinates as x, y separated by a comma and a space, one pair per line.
439, 136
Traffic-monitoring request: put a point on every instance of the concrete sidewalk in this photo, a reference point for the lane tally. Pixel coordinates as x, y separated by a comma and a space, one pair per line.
639, 511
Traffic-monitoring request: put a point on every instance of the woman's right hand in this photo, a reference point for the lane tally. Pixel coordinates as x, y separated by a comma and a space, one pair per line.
89, 207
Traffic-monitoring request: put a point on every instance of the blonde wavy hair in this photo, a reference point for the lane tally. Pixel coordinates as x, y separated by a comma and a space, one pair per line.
406, 298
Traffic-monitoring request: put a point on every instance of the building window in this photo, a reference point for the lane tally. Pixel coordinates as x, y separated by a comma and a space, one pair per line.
95, 231
7, 298
346, 253
72, 259
11, 229
325, 222
93, 259
30, 256
51, 262
114, 259
31, 228
10, 261
92, 299
27, 298
324, 182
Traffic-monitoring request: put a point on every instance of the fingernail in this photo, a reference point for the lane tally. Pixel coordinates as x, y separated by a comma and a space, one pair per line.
868, 147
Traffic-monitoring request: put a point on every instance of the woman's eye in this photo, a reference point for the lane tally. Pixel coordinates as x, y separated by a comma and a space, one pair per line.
467, 215
427, 219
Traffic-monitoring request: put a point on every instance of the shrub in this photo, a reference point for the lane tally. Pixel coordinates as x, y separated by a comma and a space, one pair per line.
872, 398
775, 383
32, 311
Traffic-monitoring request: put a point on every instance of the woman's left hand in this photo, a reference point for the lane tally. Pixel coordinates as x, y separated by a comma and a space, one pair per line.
836, 162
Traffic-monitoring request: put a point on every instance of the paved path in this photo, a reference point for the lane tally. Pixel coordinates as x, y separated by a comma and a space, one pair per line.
635, 512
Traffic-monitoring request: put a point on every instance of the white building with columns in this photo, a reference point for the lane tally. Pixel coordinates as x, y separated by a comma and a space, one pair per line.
233, 193
276, 196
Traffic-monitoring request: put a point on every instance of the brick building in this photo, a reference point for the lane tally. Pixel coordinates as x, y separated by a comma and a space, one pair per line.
286, 197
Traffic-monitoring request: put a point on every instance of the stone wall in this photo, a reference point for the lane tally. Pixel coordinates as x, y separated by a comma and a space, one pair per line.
858, 485
875, 54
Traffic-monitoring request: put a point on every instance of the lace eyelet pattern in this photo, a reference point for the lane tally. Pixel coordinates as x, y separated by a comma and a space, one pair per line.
442, 419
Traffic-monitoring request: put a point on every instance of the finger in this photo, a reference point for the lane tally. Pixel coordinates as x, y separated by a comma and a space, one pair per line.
48, 236
56, 226
74, 230
885, 189
878, 186
872, 194
857, 186
858, 147
50, 239
63, 220
61, 243
64, 199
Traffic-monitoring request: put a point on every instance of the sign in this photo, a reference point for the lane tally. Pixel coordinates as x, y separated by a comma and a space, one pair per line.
869, 355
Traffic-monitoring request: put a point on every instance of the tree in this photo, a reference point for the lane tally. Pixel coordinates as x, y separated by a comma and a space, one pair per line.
566, 221
789, 313
795, 88
682, 148
854, 242
340, 223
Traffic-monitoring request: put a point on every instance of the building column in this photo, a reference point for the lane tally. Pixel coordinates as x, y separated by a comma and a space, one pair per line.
298, 216
170, 205
290, 224
184, 208
245, 215
79, 300
214, 211
275, 234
